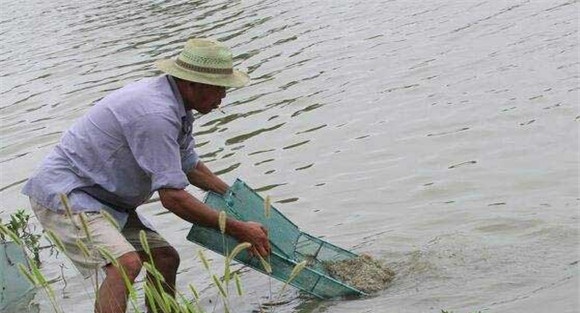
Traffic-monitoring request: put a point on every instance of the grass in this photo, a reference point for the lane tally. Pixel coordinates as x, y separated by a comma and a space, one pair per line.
18, 230
155, 296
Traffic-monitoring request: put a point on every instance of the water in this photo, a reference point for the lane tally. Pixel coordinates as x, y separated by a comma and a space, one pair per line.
439, 137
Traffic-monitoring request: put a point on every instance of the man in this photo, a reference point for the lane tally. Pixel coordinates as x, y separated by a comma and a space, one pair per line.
136, 141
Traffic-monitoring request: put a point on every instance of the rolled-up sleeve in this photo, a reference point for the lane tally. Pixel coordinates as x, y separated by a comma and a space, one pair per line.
153, 143
189, 161
189, 157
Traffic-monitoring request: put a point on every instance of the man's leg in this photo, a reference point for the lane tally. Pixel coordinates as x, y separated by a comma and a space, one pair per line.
166, 260
112, 295
165, 257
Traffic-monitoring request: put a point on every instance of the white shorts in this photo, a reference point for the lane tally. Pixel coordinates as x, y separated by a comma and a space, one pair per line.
103, 234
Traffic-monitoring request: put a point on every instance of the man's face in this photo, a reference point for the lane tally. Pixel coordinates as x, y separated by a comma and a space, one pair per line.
203, 98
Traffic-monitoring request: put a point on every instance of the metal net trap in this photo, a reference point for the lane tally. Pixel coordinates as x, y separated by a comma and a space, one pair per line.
289, 244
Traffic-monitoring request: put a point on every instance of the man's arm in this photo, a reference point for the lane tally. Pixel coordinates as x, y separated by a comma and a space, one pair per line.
184, 205
201, 176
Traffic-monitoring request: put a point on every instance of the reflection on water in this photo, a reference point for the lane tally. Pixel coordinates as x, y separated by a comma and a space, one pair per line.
439, 137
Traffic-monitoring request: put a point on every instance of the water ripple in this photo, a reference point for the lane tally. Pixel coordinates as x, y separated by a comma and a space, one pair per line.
422, 115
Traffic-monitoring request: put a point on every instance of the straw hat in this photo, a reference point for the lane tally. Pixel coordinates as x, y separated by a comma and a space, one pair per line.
205, 61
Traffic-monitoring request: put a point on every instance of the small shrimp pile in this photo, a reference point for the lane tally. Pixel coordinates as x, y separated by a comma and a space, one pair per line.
363, 273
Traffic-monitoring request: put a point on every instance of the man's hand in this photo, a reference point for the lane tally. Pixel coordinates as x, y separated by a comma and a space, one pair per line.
257, 235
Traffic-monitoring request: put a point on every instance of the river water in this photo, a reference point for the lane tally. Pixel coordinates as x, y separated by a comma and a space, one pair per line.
441, 137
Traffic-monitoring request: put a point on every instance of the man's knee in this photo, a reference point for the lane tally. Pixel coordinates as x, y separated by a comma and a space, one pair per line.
166, 257
130, 263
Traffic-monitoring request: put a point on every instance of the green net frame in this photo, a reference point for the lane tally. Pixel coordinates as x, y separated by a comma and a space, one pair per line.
290, 245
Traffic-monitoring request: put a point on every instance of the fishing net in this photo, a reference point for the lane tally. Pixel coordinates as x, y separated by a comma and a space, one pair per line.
290, 246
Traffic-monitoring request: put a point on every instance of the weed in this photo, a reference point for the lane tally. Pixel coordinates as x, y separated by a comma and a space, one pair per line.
18, 230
